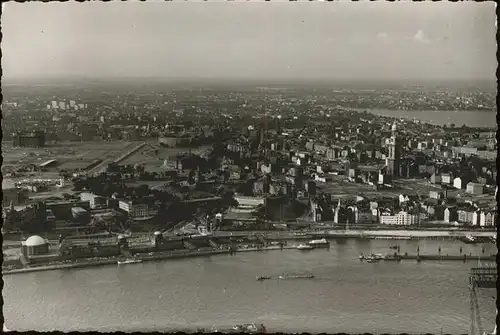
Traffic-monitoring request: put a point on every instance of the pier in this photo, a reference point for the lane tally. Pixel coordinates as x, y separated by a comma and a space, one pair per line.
419, 258
480, 277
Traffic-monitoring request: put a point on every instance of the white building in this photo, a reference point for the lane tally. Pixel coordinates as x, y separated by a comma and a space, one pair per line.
402, 218
476, 219
475, 188
403, 198
446, 178
94, 200
138, 211
436, 195
249, 202
265, 169
320, 178
457, 183
422, 145
486, 219
465, 216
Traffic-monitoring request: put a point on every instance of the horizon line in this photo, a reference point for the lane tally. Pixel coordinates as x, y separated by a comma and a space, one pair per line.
242, 78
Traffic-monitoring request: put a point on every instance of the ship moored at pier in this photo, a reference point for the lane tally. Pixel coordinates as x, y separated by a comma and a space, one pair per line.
304, 247
321, 243
469, 239
130, 261
371, 257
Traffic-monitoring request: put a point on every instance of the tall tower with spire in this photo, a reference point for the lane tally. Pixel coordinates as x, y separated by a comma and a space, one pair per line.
394, 154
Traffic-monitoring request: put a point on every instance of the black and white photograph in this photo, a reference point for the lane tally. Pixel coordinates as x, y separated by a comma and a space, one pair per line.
249, 167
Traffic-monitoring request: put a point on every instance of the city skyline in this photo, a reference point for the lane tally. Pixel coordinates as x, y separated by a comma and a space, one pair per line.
313, 41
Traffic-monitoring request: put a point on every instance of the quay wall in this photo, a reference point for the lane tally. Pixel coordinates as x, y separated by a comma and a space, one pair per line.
100, 262
208, 252
338, 233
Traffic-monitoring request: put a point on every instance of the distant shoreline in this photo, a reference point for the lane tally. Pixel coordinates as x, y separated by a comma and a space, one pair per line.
437, 117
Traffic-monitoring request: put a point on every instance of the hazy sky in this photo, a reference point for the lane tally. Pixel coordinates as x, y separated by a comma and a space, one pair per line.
326, 40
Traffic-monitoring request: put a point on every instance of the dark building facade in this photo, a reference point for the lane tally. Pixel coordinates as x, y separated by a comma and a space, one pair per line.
34, 139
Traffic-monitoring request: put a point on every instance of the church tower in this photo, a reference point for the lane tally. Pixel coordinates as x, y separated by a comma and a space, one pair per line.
394, 155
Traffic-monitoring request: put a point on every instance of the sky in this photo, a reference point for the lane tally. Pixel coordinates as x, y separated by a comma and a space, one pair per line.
236, 40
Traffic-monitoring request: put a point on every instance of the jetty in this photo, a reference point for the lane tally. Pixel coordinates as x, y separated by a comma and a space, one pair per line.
419, 258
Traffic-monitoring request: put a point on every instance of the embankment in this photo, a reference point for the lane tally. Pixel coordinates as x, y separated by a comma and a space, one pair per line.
100, 262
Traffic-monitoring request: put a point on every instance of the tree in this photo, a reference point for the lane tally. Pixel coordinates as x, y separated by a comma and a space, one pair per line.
140, 169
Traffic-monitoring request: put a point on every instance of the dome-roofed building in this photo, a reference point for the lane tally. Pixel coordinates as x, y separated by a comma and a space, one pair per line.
34, 246
157, 238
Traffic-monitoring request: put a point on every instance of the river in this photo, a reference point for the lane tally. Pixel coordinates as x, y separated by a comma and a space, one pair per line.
346, 296
485, 119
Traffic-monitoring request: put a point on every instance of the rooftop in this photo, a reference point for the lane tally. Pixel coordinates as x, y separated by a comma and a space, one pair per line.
34, 241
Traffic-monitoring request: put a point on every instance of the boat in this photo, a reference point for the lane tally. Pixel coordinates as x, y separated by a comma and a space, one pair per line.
129, 261
299, 276
397, 258
469, 239
262, 278
304, 247
376, 257
373, 260
248, 328
322, 243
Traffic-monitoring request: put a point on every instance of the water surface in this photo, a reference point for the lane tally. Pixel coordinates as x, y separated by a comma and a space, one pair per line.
346, 295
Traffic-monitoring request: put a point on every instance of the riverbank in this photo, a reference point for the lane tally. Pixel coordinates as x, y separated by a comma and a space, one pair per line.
101, 262
411, 234
328, 231
333, 232
275, 236
144, 257
166, 255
